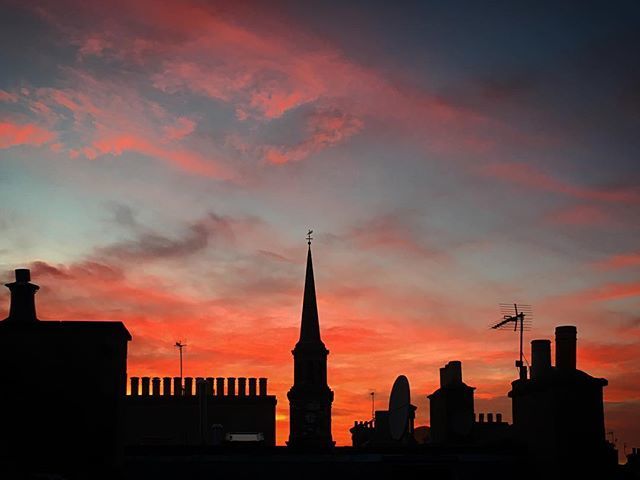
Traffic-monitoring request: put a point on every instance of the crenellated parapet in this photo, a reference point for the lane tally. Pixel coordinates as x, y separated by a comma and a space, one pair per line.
190, 386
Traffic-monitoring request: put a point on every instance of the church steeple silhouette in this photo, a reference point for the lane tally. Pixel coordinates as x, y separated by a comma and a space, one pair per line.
310, 397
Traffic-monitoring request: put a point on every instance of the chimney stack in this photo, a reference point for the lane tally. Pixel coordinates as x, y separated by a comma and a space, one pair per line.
540, 357
566, 339
23, 304
451, 374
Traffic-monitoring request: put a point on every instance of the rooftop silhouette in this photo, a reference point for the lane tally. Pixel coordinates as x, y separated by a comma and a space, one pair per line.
80, 367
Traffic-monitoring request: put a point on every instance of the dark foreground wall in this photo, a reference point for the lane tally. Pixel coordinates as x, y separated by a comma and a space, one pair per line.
61, 387
173, 414
61, 390
344, 462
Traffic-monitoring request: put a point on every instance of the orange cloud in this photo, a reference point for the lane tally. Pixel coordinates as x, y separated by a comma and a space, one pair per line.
12, 134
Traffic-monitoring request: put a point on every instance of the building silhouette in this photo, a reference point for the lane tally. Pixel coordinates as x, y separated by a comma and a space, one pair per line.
63, 405
170, 411
451, 407
310, 397
558, 412
62, 386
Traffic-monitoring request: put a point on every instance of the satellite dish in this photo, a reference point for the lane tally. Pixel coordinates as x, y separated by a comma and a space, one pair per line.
399, 403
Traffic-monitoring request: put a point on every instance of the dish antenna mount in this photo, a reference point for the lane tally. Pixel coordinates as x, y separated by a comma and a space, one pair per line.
399, 408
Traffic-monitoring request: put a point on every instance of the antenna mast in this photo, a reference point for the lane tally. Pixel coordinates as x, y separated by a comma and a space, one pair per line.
373, 405
521, 317
180, 346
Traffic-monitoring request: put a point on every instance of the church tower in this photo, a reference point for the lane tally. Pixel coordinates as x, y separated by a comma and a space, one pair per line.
310, 397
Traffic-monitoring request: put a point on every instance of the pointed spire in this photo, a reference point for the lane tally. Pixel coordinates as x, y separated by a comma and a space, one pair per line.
310, 325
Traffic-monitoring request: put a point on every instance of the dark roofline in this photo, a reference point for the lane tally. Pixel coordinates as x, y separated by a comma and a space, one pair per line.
110, 326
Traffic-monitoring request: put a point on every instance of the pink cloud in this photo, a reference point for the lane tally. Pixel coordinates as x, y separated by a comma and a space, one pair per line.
184, 126
232, 55
186, 160
111, 118
324, 128
8, 97
624, 260
12, 134
604, 292
528, 176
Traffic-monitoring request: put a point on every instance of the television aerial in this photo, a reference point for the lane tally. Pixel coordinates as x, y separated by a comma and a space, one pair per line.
521, 316
180, 345
399, 408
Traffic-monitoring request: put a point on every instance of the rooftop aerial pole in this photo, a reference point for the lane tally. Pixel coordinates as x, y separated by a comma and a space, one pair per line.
180, 346
521, 317
373, 405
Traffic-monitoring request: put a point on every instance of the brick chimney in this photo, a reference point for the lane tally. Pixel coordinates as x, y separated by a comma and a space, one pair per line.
23, 305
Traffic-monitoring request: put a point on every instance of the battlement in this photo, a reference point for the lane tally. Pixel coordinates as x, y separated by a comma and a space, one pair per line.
489, 417
190, 386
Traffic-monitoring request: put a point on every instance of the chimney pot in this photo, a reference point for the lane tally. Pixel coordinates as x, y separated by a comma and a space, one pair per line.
23, 275
155, 385
209, 386
145, 385
566, 339
499, 417
540, 357
252, 387
242, 386
220, 386
490, 417
231, 386
135, 385
166, 386
262, 386
451, 374
188, 386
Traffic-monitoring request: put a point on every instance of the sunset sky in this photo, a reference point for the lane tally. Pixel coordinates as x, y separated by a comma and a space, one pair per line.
161, 162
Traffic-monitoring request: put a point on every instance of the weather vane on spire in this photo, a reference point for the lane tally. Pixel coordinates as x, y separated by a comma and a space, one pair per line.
309, 237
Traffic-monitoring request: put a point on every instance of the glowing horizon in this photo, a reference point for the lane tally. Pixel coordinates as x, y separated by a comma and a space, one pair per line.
160, 164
